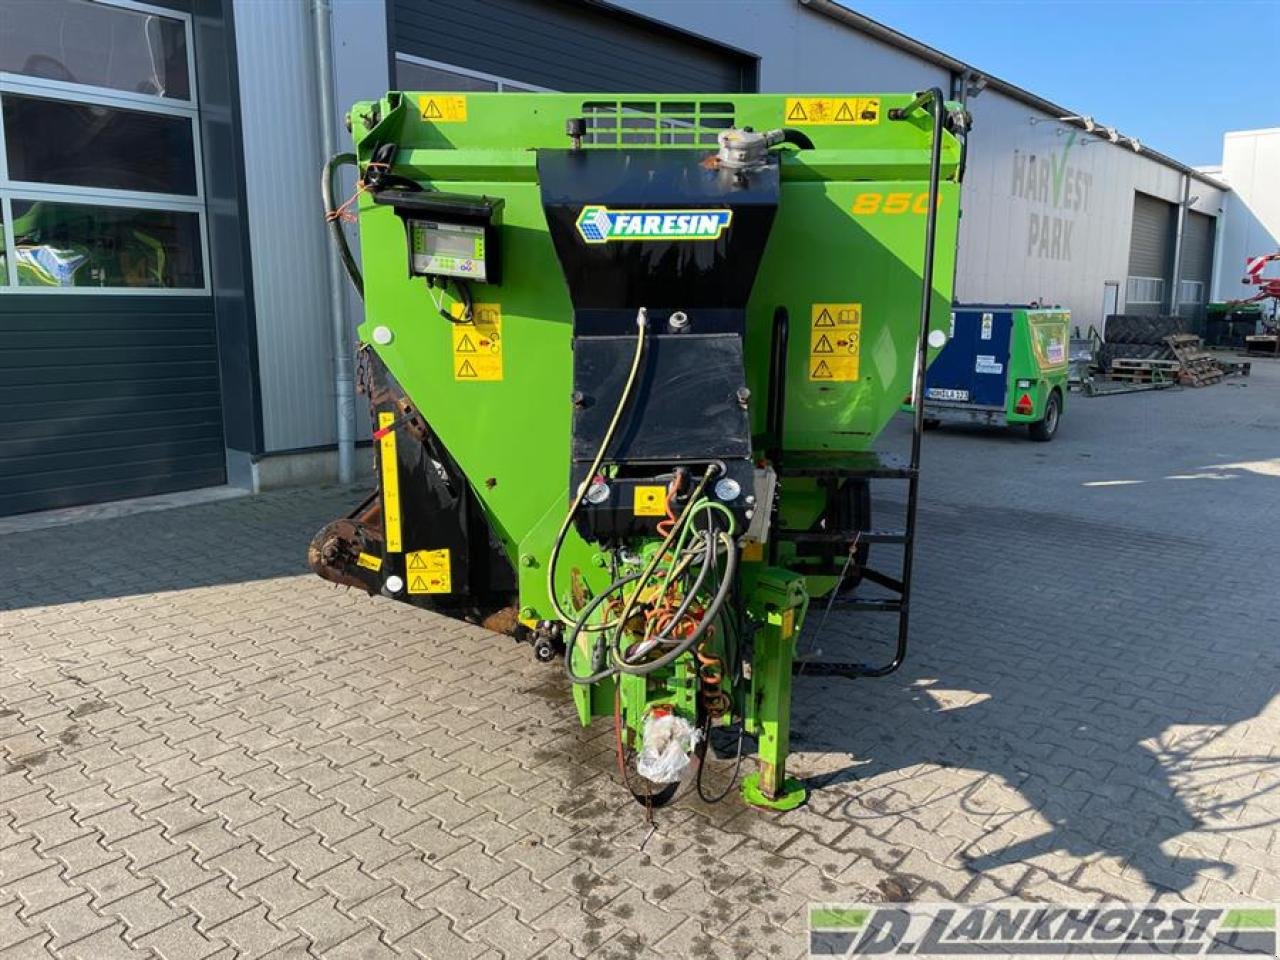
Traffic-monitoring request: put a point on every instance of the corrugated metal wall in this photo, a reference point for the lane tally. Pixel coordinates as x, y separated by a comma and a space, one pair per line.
1048, 211
564, 45
286, 225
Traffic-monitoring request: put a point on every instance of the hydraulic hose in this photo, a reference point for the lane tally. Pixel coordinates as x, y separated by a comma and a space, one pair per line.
335, 223
572, 639
713, 608
658, 554
711, 556
797, 138
642, 324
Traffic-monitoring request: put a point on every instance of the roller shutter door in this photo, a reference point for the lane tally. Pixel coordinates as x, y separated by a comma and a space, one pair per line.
1197, 263
1151, 243
106, 397
562, 45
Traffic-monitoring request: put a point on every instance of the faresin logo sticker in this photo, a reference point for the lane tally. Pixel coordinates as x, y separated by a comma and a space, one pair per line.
602, 225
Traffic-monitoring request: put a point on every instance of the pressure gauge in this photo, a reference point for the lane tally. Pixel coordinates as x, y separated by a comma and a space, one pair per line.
597, 493
728, 489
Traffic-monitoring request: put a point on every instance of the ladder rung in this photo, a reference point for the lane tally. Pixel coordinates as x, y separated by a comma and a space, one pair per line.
863, 605
844, 537
829, 668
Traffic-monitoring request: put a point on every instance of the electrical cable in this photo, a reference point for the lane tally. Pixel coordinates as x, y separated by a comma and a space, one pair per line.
702, 762
642, 323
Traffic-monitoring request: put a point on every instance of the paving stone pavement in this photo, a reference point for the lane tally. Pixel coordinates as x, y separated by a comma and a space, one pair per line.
207, 752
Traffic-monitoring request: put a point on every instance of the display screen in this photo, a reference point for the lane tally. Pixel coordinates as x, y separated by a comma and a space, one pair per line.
448, 250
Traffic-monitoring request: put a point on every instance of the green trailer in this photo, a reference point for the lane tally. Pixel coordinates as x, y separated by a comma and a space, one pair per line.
626, 357
1002, 364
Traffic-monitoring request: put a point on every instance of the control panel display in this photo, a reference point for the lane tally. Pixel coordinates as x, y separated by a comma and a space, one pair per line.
448, 250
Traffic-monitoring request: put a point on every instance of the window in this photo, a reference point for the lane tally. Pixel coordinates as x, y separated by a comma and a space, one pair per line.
100, 179
86, 145
417, 73
1144, 290
96, 44
78, 245
1190, 292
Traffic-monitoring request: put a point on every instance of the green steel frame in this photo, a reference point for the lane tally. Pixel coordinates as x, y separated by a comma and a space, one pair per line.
849, 230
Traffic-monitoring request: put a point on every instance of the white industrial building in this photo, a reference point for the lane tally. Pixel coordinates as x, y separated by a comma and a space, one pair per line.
235, 335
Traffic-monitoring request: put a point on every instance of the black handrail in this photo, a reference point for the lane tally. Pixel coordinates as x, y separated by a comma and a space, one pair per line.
935, 100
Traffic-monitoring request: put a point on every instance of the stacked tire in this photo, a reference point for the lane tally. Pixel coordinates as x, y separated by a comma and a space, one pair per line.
1130, 336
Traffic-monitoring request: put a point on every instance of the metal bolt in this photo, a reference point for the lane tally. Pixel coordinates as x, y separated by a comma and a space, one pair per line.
527, 560
743, 395
528, 613
678, 320
577, 398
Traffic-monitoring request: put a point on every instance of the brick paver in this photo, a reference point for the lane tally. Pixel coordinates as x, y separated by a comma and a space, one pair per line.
206, 751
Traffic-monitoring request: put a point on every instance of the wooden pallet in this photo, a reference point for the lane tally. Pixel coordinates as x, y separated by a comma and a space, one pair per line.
1131, 370
1196, 366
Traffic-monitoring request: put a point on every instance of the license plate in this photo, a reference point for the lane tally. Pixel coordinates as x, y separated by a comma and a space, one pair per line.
943, 393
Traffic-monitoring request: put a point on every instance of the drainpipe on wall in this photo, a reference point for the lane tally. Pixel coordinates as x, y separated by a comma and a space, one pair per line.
1177, 244
344, 379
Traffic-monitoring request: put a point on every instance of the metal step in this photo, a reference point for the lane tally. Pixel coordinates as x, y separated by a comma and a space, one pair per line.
843, 537
868, 465
859, 604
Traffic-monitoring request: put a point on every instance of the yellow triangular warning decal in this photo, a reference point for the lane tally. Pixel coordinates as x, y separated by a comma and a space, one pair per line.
823, 345
418, 584
821, 371
797, 112
431, 111
844, 113
465, 345
467, 370
416, 562
824, 319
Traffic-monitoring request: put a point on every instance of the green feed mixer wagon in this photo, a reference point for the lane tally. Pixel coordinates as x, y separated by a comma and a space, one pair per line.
626, 357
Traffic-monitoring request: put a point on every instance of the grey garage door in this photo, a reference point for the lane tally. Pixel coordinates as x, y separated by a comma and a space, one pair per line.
106, 397
559, 45
1197, 263
1150, 254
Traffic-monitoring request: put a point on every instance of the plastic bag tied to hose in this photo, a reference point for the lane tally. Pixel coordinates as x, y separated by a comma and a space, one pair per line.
668, 741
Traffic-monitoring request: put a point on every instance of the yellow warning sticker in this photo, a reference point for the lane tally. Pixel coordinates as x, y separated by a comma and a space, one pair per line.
389, 468
651, 502
835, 342
830, 111
427, 571
477, 346
752, 551
788, 624
439, 108
369, 561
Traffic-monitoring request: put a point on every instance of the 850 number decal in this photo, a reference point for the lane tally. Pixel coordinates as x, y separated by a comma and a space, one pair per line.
869, 204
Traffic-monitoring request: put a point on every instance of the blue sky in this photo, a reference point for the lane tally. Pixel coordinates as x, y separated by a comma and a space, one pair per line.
1176, 75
